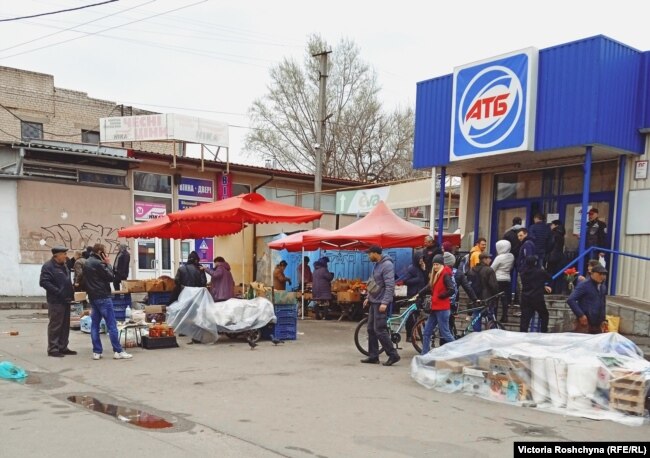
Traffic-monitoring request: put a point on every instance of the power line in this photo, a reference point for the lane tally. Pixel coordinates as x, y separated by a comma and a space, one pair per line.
57, 12
74, 27
105, 30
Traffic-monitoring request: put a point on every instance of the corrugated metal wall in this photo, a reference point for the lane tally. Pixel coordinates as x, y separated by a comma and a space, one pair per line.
634, 273
588, 93
432, 122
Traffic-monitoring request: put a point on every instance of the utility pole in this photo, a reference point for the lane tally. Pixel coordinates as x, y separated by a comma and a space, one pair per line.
320, 130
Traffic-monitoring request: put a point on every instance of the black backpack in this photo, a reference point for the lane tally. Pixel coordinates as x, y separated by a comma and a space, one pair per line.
475, 278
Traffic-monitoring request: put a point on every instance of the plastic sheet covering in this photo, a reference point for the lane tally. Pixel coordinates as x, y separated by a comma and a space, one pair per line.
196, 315
600, 376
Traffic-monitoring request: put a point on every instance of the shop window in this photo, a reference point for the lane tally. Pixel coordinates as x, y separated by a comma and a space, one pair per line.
603, 178
90, 136
31, 130
238, 189
102, 178
152, 182
519, 185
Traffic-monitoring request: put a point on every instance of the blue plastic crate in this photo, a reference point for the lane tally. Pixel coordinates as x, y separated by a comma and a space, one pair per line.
121, 299
120, 312
286, 334
284, 330
286, 311
159, 298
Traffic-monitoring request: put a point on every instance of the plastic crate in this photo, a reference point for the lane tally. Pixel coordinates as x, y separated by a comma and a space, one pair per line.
123, 299
286, 311
120, 312
159, 298
284, 329
158, 342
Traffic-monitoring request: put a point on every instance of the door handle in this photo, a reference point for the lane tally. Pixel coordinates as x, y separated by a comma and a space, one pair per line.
152, 264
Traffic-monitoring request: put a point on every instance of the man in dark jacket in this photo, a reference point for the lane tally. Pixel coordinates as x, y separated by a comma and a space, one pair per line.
588, 302
534, 282
55, 279
556, 257
121, 266
511, 236
98, 276
380, 296
526, 249
430, 249
415, 280
541, 235
484, 283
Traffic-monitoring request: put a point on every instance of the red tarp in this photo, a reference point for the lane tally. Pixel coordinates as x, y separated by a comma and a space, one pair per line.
165, 229
247, 208
295, 242
381, 226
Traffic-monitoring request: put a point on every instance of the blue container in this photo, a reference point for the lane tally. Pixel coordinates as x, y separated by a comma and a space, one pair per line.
286, 311
159, 298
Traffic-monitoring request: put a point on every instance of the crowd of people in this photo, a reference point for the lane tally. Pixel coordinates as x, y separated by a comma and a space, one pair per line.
526, 259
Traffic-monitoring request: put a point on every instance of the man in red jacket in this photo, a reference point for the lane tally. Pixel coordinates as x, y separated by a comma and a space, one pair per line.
442, 289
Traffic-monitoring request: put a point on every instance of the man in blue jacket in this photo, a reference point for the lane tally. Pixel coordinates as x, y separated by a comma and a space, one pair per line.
588, 302
380, 295
526, 249
55, 279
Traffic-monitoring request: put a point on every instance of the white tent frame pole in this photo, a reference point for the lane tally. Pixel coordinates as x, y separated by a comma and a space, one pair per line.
302, 283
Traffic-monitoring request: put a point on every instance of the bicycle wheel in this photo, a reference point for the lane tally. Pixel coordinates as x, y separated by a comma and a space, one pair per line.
418, 333
494, 324
361, 337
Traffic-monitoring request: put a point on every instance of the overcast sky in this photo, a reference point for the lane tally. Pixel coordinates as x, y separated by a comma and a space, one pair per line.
212, 58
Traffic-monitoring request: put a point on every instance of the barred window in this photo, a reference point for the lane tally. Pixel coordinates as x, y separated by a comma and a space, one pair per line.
31, 130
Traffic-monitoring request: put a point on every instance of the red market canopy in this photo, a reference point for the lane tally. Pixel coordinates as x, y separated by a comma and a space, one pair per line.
247, 208
295, 242
381, 226
165, 229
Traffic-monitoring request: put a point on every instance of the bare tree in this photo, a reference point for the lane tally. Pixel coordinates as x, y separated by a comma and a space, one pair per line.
362, 142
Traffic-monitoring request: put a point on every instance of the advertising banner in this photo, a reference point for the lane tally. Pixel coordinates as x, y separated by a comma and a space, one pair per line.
224, 190
205, 250
144, 211
196, 187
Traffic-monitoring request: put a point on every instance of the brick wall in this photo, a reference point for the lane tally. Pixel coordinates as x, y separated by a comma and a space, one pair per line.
64, 113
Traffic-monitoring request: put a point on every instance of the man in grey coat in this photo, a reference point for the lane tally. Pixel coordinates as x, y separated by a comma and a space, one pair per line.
380, 296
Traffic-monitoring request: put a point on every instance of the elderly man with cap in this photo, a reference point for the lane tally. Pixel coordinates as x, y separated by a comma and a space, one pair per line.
121, 266
55, 279
381, 288
587, 301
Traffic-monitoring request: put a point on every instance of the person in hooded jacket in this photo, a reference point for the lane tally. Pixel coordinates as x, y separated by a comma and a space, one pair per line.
534, 282
556, 257
321, 288
222, 284
484, 276
442, 290
502, 266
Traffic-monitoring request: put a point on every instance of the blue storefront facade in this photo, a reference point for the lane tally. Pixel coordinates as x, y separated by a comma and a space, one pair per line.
548, 131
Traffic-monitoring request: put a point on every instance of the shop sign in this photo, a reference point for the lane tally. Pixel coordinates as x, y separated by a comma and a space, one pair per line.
225, 186
494, 103
144, 211
360, 201
196, 187
205, 250
640, 170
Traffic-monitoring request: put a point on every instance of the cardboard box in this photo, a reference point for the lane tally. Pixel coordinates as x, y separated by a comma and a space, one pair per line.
133, 286
263, 292
155, 312
453, 365
508, 387
80, 296
348, 296
475, 381
307, 295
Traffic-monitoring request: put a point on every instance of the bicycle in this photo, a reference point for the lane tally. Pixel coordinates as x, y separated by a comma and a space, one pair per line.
486, 316
395, 326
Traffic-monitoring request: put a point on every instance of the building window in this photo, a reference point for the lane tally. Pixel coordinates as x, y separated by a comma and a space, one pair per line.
286, 196
521, 185
90, 136
31, 130
238, 189
152, 182
102, 178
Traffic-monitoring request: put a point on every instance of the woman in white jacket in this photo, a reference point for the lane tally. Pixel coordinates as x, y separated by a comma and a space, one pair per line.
502, 266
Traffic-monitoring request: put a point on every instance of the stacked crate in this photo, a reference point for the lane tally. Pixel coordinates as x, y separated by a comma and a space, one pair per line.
627, 392
159, 298
120, 302
286, 328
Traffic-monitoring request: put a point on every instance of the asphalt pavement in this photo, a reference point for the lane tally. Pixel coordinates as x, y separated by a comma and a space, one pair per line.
305, 398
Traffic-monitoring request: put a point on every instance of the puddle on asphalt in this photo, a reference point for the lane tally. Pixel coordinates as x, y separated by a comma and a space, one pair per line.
132, 416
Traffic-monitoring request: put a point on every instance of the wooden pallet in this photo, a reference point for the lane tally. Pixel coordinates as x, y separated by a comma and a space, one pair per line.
627, 392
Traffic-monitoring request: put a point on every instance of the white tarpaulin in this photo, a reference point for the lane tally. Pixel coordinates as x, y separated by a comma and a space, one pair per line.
196, 315
601, 376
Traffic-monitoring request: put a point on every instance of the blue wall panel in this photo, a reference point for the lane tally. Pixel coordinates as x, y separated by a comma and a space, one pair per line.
432, 122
